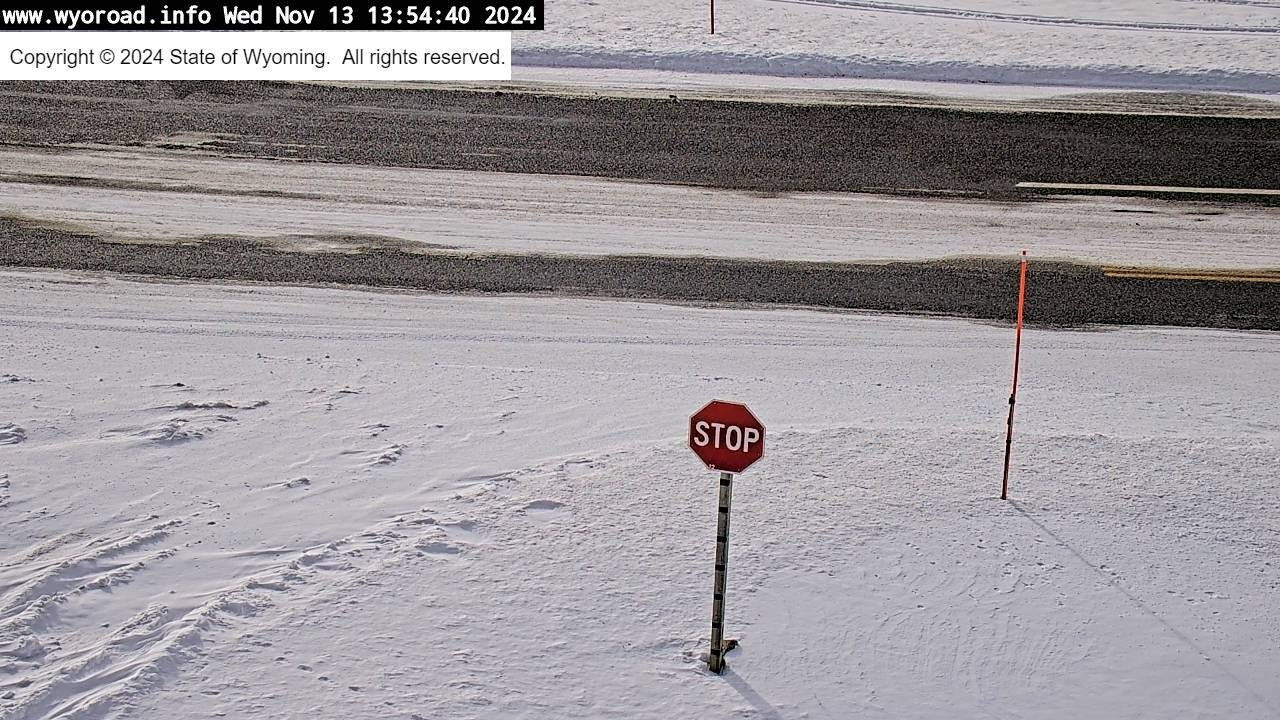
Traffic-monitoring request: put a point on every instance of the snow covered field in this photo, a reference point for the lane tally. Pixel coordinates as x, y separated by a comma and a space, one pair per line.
1203, 45
247, 501
167, 196
244, 501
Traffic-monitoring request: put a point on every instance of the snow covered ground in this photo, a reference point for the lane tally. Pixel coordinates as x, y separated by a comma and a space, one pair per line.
170, 196
1203, 45
245, 501
617, 82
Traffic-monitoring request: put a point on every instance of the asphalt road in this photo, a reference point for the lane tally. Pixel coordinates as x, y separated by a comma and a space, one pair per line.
1058, 293
761, 146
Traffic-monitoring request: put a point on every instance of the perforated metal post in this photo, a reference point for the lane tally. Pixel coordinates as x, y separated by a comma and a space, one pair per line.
715, 659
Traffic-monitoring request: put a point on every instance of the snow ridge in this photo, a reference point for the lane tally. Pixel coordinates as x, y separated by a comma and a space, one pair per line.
807, 65
1032, 19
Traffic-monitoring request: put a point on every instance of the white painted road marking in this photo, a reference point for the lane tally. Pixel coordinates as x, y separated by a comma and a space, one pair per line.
1150, 188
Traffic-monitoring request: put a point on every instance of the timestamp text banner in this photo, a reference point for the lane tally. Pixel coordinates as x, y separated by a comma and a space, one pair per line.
296, 15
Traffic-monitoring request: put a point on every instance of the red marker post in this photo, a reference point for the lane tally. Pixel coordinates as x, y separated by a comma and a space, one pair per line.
726, 437
1017, 352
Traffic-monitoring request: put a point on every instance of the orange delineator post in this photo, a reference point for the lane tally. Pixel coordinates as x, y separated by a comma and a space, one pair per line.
1017, 352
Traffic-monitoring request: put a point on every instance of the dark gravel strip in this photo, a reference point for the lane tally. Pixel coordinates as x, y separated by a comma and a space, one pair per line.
1058, 293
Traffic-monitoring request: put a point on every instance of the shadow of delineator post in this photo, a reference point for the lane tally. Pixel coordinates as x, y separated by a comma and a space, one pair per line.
748, 693
1137, 601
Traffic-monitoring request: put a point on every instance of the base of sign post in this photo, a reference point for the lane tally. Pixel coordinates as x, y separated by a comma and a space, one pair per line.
715, 658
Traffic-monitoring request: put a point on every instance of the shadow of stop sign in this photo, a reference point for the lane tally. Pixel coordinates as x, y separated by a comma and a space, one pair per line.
726, 436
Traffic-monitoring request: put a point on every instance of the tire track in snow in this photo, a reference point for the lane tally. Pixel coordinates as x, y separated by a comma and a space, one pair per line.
106, 672
12, 434
51, 574
80, 569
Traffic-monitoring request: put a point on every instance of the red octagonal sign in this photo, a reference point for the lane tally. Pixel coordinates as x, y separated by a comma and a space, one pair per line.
726, 436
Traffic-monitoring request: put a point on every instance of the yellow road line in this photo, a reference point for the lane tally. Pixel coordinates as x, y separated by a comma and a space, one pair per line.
1265, 276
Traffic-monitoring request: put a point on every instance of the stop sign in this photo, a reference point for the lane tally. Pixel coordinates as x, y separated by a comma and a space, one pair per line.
726, 436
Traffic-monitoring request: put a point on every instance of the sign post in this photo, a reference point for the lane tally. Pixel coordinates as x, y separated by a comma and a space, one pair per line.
726, 437
715, 660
